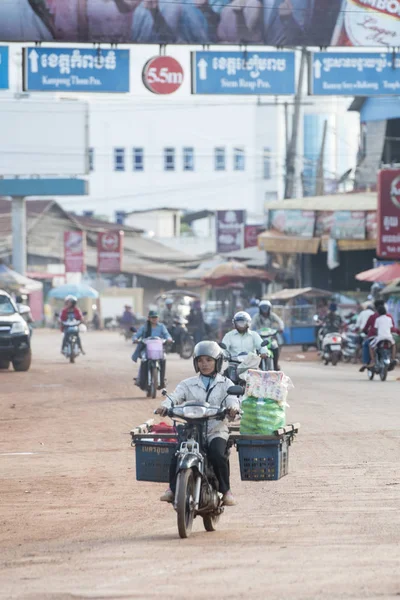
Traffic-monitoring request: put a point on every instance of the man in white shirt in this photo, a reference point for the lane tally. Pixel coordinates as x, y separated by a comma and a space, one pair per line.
383, 326
242, 339
363, 317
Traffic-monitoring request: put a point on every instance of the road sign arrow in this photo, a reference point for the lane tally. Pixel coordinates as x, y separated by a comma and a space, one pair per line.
202, 65
317, 69
34, 60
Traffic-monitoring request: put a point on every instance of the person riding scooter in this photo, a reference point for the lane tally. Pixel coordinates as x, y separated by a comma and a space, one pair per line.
207, 386
242, 339
266, 319
152, 328
70, 312
333, 322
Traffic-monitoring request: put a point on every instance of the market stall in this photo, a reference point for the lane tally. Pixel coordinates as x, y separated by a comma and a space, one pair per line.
297, 307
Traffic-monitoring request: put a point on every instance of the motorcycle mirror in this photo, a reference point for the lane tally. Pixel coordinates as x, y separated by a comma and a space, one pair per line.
164, 392
315, 318
265, 343
56, 314
235, 390
85, 313
133, 329
221, 345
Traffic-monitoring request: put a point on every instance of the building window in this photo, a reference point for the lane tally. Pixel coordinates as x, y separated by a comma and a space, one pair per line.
138, 159
169, 159
238, 159
119, 159
91, 160
267, 163
219, 159
188, 159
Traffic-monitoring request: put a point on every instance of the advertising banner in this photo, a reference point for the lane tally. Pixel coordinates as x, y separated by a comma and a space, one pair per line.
76, 70
354, 74
75, 251
243, 73
230, 230
300, 223
348, 225
277, 23
109, 251
389, 214
371, 224
324, 223
4, 68
251, 233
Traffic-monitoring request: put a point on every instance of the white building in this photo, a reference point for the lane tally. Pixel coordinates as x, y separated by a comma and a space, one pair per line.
183, 151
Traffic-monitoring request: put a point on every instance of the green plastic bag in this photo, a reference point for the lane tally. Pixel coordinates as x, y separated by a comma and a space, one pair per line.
261, 416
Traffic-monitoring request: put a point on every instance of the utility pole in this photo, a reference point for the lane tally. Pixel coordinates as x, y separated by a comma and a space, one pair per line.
18, 223
292, 151
320, 184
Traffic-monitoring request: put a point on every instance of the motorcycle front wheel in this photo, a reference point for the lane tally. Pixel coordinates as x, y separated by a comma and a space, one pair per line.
185, 503
210, 522
383, 373
154, 382
187, 348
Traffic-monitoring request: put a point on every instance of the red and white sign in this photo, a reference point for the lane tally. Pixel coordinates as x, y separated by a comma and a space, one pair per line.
74, 251
109, 251
389, 214
162, 75
251, 233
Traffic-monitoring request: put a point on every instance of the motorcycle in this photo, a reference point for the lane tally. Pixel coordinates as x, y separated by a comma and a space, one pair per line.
383, 361
332, 344
196, 483
351, 346
183, 341
150, 378
270, 336
72, 348
240, 364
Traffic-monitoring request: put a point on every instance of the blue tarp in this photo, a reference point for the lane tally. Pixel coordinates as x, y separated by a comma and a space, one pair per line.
380, 109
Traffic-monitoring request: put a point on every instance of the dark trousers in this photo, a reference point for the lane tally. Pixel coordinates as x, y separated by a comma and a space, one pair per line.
218, 458
143, 374
65, 340
275, 352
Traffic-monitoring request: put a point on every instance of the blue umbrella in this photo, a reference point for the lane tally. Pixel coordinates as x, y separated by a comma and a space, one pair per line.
80, 291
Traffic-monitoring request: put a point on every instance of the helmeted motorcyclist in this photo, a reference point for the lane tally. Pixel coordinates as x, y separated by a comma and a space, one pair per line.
152, 328
253, 308
242, 339
333, 322
70, 312
207, 386
268, 319
168, 315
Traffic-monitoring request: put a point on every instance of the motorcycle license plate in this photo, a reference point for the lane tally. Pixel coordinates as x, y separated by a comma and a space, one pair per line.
335, 347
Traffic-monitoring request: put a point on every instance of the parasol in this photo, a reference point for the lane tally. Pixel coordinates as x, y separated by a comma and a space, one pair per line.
79, 290
382, 274
233, 272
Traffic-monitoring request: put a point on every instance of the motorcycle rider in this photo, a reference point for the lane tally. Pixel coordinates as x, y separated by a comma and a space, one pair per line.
128, 318
268, 319
70, 312
370, 332
333, 322
152, 328
242, 339
207, 386
383, 330
168, 314
253, 308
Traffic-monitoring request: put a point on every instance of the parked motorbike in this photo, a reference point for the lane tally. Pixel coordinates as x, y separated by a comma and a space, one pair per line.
270, 336
332, 344
183, 341
72, 349
150, 378
196, 484
383, 361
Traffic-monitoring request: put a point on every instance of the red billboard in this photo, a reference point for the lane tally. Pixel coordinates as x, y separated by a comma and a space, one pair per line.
74, 251
162, 75
110, 251
251, 233
389, 214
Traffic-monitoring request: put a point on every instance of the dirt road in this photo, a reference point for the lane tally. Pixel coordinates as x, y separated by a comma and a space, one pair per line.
76, 524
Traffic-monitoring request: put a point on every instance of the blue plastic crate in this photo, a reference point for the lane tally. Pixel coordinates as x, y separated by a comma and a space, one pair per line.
153, 460
263, 460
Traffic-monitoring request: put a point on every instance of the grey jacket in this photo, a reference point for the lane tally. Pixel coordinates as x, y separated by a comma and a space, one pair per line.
193, 390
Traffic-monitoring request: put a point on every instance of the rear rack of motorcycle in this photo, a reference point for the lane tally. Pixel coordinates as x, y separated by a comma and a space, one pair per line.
288, 431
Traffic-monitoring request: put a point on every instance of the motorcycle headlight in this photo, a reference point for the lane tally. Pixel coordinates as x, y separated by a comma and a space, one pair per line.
19, 327
194, 412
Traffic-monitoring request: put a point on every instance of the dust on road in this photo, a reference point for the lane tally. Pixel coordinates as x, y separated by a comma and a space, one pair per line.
76, 524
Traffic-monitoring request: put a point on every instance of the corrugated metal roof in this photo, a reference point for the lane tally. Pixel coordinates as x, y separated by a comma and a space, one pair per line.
359, 201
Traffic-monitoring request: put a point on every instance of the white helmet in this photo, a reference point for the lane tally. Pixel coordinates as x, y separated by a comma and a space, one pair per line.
242, 319
265, 306
71, 298
211, 349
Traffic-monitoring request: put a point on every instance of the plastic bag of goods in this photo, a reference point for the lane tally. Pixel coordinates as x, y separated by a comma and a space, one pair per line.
263, 414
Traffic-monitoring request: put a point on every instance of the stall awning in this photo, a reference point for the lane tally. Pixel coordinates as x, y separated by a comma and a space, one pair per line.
350, 245
285, 244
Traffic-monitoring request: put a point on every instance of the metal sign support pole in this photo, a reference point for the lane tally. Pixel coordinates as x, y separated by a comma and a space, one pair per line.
18, 222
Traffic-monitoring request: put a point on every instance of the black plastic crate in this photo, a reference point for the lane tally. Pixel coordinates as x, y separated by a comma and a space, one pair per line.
263, 460
153, 460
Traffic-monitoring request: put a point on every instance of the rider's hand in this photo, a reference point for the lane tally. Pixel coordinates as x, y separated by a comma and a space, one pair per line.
232, 412
162, 411
264, 355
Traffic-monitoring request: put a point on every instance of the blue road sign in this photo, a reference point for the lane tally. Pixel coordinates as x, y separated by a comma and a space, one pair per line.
3, 67
76, 70
255, 73
354, 74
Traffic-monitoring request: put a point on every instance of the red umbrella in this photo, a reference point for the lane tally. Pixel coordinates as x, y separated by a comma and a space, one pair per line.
383, 274
234, 271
